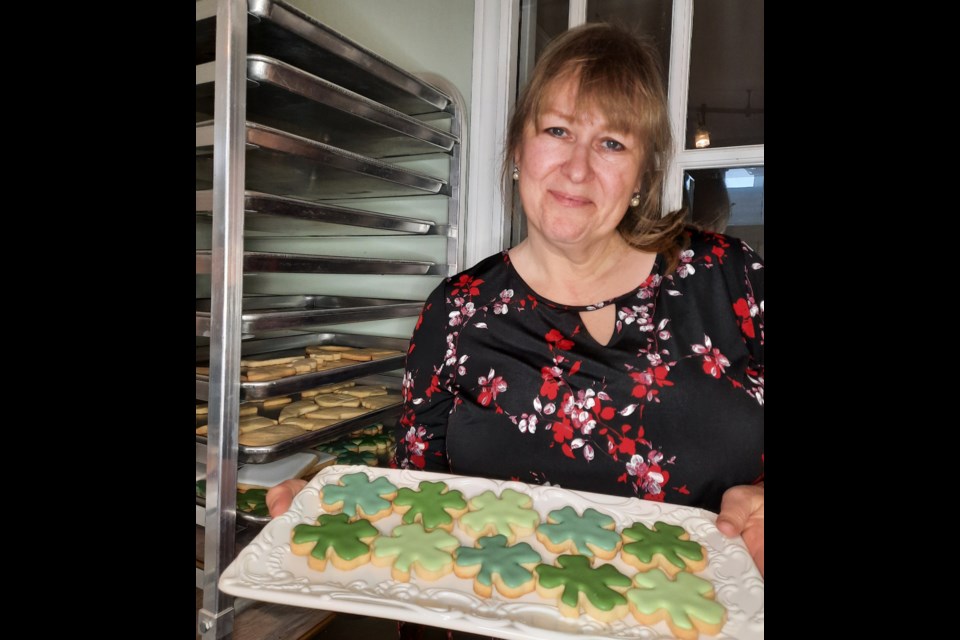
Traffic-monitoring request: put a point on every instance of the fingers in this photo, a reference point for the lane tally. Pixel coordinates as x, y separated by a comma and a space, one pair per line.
280, 497
741, 513
739, 505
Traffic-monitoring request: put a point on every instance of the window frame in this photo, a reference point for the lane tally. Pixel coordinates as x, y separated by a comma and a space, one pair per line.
681, 35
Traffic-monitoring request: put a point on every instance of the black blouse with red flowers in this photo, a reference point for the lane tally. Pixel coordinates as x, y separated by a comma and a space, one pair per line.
503, 383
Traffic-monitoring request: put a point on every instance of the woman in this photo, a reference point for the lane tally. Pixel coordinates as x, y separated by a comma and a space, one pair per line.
613, 350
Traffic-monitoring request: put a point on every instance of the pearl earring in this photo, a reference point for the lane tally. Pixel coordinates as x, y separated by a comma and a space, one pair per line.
516, 173
635, 200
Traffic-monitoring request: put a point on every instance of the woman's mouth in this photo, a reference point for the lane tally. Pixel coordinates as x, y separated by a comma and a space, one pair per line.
567, 199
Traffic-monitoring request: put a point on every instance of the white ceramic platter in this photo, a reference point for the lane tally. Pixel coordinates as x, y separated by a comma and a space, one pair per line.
267, 569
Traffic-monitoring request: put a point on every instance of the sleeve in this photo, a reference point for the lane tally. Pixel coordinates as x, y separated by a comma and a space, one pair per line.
752, 306
746, 285
422, 426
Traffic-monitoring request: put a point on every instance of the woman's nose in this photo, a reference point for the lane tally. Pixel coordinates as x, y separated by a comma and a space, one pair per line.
577, 165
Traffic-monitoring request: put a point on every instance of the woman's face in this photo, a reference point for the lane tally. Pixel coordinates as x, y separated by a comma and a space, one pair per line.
577, 174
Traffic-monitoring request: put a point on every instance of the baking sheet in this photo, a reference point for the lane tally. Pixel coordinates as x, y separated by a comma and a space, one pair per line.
285, 164
282, 31
267, 569
287, 98
305, 312
292, 216
270, 262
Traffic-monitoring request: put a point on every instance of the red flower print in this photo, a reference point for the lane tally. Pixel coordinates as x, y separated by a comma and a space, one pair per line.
424, 310
434, 386
562, 431
467, 286
551, 377
742, 309
714, 362
416, 446
490, 386
556, 339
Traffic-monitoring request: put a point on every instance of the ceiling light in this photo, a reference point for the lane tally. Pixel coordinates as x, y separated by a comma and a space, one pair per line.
701, 139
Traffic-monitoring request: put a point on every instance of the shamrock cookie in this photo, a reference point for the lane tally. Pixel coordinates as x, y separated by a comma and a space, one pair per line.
410, 547
666, 546
591, 534
433, 505
599, 591
333, 538
686, 603
494, 563
358, 497
510, 515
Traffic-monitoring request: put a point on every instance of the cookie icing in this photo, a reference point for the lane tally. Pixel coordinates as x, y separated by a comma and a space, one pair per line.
684, 601
509, 515
667, 540
337, 534
411, 546
366, 458
496, 558
432, 503
577, 577
253, 501
359, 496
593, 528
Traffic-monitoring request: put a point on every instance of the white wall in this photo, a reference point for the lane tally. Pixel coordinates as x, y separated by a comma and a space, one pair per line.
433, 36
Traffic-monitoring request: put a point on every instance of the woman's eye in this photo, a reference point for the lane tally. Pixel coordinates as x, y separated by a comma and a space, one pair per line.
557, 132
613, 145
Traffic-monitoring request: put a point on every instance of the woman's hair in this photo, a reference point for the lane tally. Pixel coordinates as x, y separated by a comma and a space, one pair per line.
619, 74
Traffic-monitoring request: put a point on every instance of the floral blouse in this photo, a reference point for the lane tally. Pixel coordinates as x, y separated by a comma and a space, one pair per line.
503, 383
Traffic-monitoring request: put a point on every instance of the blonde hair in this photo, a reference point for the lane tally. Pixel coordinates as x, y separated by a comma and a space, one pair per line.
619, 74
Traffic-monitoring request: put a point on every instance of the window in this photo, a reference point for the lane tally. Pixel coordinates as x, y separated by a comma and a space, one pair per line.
714, 54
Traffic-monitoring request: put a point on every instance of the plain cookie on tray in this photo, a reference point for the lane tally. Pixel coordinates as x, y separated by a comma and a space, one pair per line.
270, 435
297, 409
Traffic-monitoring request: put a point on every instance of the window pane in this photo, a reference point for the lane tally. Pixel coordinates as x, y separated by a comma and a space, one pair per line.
651, 18
728, 201
551, 21
726, 73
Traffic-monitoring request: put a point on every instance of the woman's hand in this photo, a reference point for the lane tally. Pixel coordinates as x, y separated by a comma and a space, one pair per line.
280, 496
741, 513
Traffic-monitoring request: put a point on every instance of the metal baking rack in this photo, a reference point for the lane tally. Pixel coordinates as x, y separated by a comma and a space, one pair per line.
287, 98
281, 31
315, 135
289, 165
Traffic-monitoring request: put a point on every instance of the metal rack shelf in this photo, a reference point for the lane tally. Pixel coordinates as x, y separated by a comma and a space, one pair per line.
268, 212
279, 30
287, 98
265, 262
307, 312
289, 165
